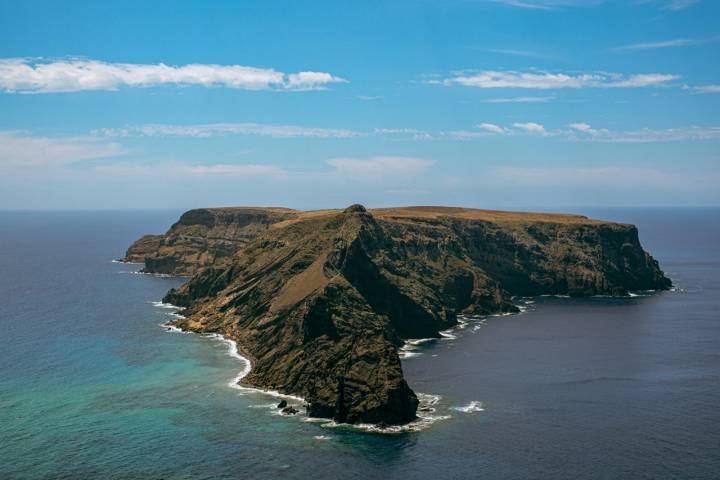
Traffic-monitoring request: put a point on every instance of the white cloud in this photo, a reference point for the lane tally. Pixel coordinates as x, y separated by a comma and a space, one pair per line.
597, 177
545, 80
412, 133
547, 4
268, 130
495, 79
191, 171
241, 170
219, 129
373, 168
678, 42
531, 127
581, 131
705, 89
517, 53
673, 5
644, 135
380, 166
643, 80
519, 100
18, 150
467, 134
581, 127
311, 80
492, 128
648, 135
585, 128
676, 5
24, 75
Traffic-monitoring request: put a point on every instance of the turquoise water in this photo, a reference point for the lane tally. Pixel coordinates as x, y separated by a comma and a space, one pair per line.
91, 386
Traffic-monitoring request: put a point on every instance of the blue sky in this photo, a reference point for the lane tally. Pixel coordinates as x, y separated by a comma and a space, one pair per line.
484, 103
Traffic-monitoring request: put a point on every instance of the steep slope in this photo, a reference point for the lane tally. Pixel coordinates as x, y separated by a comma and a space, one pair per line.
321, 300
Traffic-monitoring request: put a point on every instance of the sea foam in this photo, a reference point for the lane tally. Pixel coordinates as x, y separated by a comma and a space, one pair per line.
426, 409
474, 406
410, 347
426, 418
232, 350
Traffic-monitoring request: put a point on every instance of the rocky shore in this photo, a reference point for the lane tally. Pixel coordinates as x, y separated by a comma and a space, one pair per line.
321, 301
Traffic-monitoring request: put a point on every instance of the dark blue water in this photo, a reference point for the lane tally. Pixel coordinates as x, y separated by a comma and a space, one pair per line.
91, 387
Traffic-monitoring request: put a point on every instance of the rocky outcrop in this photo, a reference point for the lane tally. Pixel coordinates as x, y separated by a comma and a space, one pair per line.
321, 301
203, 237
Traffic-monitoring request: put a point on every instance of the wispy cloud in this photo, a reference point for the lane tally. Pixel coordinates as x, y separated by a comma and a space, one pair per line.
380, 166
531, 127
24, 75
185, 170
547, 4
677, 42
484, 130
672, 5
371, 168
649, 135
573, 131
676, 5
412, 133
242, 170
519, 100
612, 177
704, 89
19, 150
549, 81
581, 127
259, 129
517, 53
581, 131
220, 129
584, 131
492, 128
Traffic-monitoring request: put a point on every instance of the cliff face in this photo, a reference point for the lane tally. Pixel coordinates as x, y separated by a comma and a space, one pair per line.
320, 301
203, 237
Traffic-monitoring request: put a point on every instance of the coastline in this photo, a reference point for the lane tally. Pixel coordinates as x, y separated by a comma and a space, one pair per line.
428, 402
411, 346
427, 407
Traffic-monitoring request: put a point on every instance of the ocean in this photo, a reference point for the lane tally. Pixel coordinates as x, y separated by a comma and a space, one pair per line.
93, 387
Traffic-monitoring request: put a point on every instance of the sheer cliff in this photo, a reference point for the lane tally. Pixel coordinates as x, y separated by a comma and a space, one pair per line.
203, 237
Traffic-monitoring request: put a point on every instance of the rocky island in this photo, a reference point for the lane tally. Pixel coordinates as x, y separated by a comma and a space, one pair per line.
320, 301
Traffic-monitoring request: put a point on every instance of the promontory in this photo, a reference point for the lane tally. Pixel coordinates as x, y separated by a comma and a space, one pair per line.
321, 301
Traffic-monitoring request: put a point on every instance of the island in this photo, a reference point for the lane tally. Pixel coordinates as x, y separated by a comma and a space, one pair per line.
321, 301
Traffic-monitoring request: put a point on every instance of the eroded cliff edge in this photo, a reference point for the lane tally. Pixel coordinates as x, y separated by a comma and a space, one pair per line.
320, 301
203, 237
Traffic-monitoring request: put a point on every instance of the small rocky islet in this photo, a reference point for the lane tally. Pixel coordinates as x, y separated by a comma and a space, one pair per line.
321, 301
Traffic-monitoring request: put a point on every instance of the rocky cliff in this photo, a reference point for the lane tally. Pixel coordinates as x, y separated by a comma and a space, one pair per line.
320, 301
203, 237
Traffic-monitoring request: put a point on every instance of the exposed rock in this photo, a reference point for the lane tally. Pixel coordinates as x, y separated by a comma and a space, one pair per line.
321, 301
145, 247
289, 410
203, 237
282, 404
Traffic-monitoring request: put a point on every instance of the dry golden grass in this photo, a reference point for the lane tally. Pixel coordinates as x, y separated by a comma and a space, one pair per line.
430, 211
478, 214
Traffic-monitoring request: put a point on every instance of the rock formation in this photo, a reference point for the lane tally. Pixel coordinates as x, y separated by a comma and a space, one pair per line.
203, 237
320, 301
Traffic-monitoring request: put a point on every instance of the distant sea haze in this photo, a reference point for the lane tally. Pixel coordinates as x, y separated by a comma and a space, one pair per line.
92, 386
